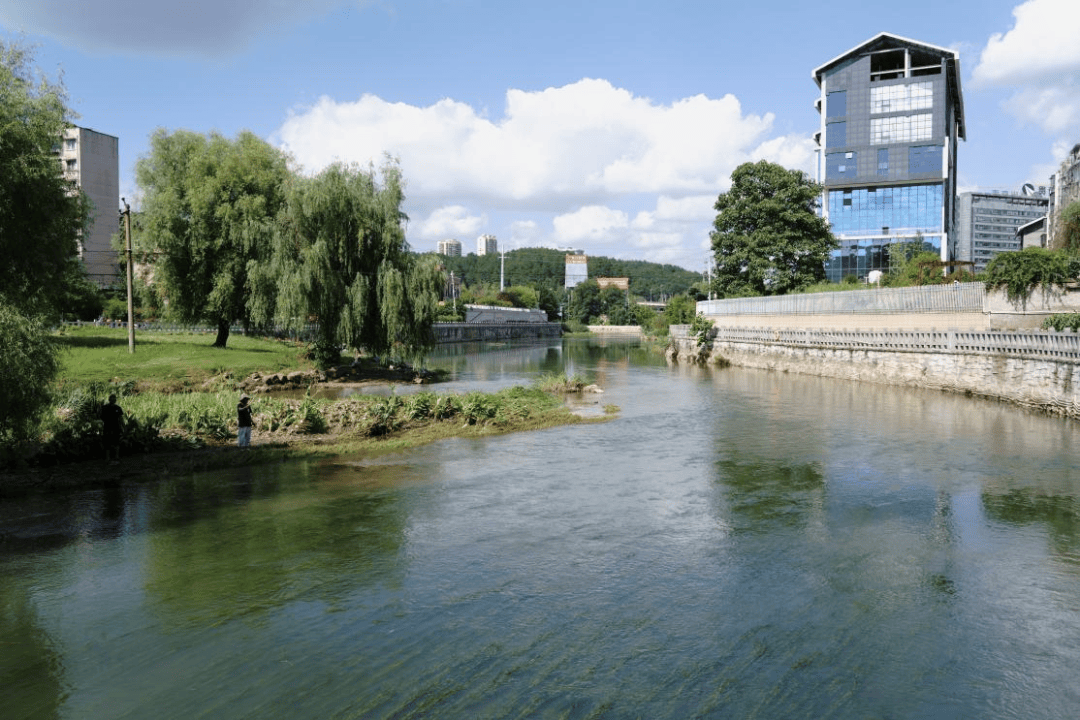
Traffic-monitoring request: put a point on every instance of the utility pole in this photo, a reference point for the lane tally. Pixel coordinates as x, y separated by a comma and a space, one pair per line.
502, 269
130, 276
453, 291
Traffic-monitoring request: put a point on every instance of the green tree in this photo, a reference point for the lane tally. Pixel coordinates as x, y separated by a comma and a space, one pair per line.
585, 305
28, 365
680, 310
1070, 227
41, 215
767, 238
208, 211
341, 260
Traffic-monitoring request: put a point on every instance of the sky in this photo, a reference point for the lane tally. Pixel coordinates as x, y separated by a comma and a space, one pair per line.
609, 127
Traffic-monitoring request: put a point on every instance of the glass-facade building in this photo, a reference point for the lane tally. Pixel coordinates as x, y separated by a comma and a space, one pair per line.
891, 115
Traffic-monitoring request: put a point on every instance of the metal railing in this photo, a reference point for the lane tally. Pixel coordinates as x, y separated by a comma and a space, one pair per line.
954, 298
1045, 344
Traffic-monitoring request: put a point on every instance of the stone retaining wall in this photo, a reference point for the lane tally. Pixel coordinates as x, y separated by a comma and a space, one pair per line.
471, 332
616, 330
1016, 373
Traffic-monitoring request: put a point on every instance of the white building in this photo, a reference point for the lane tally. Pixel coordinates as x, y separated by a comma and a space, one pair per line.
487, 245
92, 160
450, 248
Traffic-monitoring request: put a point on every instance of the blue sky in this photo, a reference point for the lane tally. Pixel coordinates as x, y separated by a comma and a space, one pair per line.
605, 126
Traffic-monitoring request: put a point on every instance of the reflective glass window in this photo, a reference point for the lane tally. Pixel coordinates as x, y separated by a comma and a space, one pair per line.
835, 134
924, 159
905, 209
836, 104
903, 128
902, 98
841, 165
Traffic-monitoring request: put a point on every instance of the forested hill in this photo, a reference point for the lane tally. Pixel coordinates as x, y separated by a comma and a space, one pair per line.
543, 267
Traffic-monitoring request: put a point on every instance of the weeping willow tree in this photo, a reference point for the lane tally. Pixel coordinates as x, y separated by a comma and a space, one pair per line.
341, 261
207, 213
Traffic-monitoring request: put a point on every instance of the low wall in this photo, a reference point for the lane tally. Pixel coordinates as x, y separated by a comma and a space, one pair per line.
967, 306
616, 330
1039, 370
471, 332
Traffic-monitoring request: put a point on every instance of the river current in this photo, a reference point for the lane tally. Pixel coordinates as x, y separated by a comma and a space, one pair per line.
735, 544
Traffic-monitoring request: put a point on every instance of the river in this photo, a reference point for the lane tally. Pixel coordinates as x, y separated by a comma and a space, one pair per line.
736, 544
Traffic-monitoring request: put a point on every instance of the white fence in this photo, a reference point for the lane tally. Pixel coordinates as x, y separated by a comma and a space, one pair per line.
1043, 344
954, 298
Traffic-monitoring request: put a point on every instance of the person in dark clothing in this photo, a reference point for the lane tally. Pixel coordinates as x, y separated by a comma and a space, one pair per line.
243, 422
111, 415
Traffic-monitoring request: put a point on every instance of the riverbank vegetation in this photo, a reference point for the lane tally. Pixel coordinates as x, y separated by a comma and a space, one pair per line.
179, 398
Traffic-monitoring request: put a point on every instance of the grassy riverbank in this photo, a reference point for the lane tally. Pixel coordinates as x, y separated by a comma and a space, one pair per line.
169, 360
179, 397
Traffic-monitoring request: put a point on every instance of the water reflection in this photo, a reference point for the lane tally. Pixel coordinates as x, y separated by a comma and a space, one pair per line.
256, 546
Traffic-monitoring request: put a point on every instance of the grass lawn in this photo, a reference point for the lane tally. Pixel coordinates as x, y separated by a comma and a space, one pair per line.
164, 360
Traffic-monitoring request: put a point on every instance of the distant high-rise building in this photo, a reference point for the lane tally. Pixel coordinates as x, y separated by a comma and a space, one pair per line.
891, 116
487, 245
451, 248
92, 161
577, 269
989, 221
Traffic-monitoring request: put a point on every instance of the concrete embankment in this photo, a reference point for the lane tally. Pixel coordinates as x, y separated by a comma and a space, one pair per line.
471, 332
1034, 369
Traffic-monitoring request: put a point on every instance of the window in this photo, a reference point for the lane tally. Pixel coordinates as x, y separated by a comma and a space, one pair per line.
902, 98
836, 104
835, 134
70, 164
905, 128
69, 143
841, 165
904, 209
924, 159
883, 162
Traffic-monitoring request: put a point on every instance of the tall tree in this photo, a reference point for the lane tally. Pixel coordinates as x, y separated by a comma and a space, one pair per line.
41, 214
208, 211
341, 259
41, 218
767, 238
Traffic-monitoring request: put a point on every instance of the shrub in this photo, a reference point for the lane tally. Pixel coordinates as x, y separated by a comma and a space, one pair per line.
1062, 321
477, 407
446, 406
1021, 272
28, 364
420, 405
700, 329
382, 416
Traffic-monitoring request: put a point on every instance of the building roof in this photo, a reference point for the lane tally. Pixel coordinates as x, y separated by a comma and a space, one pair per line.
1033, 225
950, 59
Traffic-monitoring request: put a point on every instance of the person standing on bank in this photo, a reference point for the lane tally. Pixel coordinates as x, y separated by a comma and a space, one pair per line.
243, 422
111, 414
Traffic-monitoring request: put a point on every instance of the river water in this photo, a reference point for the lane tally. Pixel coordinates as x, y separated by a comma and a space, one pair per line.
736, 544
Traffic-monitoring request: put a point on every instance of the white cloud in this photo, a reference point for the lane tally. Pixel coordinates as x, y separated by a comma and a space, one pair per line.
1041, 45
594, 224
592, 165
1055, 108
1039, 58
451, 221
203, 27
578, 143
524, 233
